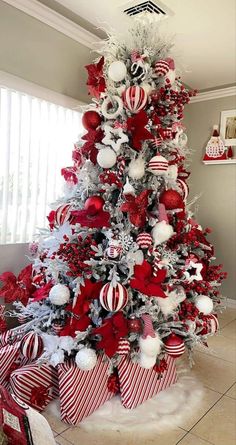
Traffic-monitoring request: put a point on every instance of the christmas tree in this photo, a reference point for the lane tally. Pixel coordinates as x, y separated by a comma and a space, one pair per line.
125, 270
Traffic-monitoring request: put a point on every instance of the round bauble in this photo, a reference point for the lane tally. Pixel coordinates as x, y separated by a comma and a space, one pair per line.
146, 361
135, 98
174, 345
113, 298
117, 71
86, 359
161, 68
31, 345
158, 166
183, 187
212, 324
63, 214
144, 240
57, 327
136, 168
94, 204
134, 325
59, 294
106, 157
182, 140
204, 304
91, 120
113, 251
112, 107
171, 199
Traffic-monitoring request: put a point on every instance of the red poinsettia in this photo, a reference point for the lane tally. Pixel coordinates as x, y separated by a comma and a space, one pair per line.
136, 126
17, 288
84, 217
109, 177
136, 207
96, 82
75, 324
51, 219
42, 292
144, 280
111, 331
89, 149
90, 291
69, 174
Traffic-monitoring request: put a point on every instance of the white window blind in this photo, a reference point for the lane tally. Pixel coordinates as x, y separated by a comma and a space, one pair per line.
36, 141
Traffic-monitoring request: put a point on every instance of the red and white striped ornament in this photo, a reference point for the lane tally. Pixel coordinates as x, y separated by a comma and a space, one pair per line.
113, 298
123, 347
161, 68
32, 345
63, 214
158, 165
135, 98
57, 328
174, 346
183, 187
113, 251
144, 240
212, 324
156, 142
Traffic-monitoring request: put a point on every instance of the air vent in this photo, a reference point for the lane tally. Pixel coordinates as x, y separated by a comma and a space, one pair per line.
145, 7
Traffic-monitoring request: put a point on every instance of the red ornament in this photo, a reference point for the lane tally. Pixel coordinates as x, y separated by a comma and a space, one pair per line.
91, 120
171, 199
211, 324
113, 299
174, 346
134, 325
32, 345
94, 204
135, 98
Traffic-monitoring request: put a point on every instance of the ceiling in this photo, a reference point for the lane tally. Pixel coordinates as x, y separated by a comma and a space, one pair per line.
205, 33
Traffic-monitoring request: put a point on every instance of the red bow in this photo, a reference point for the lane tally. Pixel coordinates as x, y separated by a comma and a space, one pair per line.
146, 282
111, 331
100, 219
137, 208
136, 126
17, 288
113, 383
39, 395
96, 82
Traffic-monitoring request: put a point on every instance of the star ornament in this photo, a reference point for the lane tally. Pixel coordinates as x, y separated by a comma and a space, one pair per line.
193, 272
136, 125
114, 137
136, 207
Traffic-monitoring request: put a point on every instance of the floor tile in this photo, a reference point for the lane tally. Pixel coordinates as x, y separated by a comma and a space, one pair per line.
55, 423
222, 347
218, 425
214, 373
228, 315
209, 399
190, 439
61, 441
232, 392
229, 330
77, 436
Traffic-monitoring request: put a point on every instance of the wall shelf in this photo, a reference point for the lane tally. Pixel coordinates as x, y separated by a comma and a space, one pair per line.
223, 161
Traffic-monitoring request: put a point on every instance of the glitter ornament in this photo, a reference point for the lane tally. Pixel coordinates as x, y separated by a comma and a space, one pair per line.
174, 346
158, 165
135, 98
204, 304
59, 294
113, 298
171, 199
117, 71
134, 325
94, 204
91, 120
106, 158
86, 359
144, 240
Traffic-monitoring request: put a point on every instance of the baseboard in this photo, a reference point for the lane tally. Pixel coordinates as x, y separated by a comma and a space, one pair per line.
229, 302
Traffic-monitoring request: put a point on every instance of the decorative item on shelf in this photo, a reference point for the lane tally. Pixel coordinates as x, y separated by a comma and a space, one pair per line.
228, 127
215, 149
230, 153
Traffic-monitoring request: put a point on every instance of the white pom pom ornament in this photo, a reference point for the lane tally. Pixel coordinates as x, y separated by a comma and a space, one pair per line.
117, 71
136, 168
86, 359
172, 300
106, 157
204, 304
59, 294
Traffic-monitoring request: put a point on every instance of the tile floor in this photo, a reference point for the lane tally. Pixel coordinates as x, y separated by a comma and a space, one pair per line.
215, 421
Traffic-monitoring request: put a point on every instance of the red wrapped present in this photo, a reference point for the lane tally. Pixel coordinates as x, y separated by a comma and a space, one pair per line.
10, 359
13, 420
138, 384
35, 385
82, 392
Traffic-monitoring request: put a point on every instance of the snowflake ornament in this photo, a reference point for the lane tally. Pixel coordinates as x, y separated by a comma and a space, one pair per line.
114, 137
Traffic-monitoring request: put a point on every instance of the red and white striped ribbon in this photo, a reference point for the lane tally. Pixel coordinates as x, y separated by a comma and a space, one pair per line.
148, 326
121, 167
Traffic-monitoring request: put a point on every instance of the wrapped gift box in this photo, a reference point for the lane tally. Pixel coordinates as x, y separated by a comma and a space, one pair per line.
82, 392
10, 359
35, 385
138, 384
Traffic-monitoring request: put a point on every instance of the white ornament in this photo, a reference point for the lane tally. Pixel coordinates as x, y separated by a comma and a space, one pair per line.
162, 232
110, 113
136, 168
189, 275
204, 304
172, 172
59, 294
114, 137
150, 346
128, 188
117, 71
146, 361
158, 166
106, 157
86, 359
171, 77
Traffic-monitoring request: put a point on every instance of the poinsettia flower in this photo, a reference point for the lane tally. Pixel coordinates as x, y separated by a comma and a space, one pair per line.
100, 219
96, 82
136, 207
89, 149
42, 292
90, 291
111, 331
69, 174
136, 126
144, 281
75, 324
51, 219
17, 288
77, 156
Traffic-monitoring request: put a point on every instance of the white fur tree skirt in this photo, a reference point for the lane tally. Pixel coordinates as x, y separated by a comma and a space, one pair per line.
165, 411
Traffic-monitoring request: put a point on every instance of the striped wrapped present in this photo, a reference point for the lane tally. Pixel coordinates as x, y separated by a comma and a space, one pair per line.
35, 385
10, 359
138, 384
82, 392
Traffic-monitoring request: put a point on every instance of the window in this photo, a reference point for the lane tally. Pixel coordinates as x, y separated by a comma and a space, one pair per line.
36, 141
